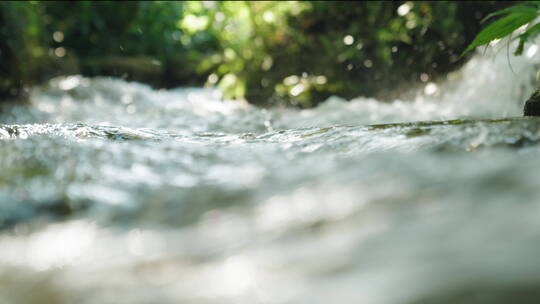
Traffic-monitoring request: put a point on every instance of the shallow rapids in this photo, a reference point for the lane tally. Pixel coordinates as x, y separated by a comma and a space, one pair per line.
112, 192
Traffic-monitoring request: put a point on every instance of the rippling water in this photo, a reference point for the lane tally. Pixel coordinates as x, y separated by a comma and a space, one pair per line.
112, 192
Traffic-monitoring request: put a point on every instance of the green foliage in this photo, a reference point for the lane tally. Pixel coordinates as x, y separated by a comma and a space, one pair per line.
288, 52
300, 53
528, 35
20, 46
514, 18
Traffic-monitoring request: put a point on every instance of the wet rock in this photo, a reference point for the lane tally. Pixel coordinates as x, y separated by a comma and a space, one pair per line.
532, 105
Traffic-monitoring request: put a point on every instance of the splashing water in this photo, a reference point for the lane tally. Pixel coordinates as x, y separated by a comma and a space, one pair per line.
114, 192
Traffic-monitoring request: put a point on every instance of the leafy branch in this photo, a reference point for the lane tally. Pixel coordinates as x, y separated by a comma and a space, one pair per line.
512, 19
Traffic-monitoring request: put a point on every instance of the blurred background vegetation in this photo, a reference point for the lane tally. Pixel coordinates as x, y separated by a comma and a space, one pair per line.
276, 52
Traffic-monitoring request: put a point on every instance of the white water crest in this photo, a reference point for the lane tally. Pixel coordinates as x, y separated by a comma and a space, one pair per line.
113, 192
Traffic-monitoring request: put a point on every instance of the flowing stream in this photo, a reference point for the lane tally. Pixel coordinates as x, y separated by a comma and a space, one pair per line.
112, 192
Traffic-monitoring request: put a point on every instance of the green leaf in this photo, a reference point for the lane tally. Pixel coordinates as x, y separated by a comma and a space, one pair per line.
501, 28
518, 9
530, 34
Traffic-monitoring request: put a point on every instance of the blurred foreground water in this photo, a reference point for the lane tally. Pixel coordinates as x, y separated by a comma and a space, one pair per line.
112, 192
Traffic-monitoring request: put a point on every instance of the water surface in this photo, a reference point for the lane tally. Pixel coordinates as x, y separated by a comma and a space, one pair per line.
112, 192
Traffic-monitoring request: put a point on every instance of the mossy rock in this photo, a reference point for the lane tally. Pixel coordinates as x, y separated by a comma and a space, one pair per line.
532, 105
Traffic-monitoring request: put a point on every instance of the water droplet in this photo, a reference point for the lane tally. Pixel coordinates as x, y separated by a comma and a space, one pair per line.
368, 63
348, 40
58, 36
60, 52
404, 9
431, 88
